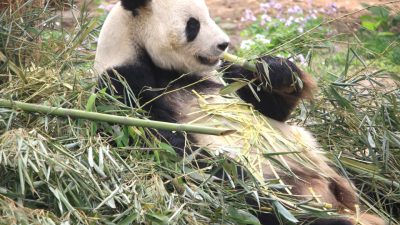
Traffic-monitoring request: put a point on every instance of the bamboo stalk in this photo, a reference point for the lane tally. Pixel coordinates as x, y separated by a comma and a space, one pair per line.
240, 62
94, 116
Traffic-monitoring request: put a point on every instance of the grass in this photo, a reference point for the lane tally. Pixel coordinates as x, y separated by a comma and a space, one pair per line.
63, 170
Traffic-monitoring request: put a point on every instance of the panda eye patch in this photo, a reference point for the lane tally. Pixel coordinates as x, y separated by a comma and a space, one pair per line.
192, 29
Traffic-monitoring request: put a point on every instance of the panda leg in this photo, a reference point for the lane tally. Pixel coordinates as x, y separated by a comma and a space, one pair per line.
271, 219
333, 221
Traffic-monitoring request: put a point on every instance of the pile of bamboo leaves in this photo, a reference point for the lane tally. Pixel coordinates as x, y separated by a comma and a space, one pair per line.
70, 170
357, 119
59, 168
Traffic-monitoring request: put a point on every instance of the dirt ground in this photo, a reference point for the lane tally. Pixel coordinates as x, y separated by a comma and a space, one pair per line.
229, 12
233, 9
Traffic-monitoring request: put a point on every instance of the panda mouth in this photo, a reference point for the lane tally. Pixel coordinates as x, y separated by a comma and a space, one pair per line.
208, 60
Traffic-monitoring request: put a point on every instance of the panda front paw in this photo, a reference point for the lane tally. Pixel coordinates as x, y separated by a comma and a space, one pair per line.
280, 85
277, 74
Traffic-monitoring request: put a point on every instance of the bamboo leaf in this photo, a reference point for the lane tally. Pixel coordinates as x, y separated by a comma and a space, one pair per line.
129, 219
158, 218
242, 217
279, 208
91, 103
344, 103
232, 88
168, 148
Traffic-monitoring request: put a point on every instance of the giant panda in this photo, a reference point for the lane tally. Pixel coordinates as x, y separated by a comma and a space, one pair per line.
168, 52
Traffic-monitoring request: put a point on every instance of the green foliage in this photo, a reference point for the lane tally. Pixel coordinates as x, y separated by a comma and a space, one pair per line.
277, 32
380, 34
378, 19
357, 119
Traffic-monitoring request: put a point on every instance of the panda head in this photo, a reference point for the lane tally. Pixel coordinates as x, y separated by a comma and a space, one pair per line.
177, 34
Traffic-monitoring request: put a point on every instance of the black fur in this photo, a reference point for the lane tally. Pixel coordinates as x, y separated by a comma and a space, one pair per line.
331, 221
134, 5
274, 104
271, 219
147, 82
192, 29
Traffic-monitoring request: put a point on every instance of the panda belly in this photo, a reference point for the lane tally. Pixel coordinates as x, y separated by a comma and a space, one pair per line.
258, 136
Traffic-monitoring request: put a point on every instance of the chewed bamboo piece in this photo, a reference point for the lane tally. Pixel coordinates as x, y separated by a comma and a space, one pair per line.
240, 61
257, 139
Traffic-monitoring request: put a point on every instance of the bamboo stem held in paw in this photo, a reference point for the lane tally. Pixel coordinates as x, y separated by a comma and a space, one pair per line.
240, 62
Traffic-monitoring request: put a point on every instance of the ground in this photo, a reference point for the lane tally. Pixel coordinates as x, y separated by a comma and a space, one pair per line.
229, 12
233, 9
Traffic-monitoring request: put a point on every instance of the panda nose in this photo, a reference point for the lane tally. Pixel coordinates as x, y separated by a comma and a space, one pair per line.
223, 46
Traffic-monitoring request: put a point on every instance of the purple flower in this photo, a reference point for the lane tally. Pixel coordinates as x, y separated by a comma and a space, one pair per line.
276, 5
295, 10
262, 39
265, 19
300, 58
264, 7
299, 20
313, 15
246, 44
106, 8
332, 8
289, 21
248, 16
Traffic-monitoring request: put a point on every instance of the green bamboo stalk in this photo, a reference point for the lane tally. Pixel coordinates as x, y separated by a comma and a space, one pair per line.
94, 116
240, 62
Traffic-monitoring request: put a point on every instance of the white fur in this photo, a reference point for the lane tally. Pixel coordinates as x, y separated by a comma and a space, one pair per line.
116, 44
169, 49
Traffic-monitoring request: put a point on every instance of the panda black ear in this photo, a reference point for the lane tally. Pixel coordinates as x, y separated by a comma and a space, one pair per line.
134, 5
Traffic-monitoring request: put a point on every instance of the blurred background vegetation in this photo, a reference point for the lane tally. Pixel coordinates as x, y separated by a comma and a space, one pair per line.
63, 171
